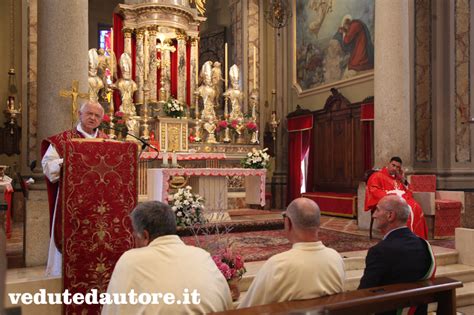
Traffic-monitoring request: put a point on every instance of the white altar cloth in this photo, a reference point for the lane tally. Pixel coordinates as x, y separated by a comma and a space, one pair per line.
158, 181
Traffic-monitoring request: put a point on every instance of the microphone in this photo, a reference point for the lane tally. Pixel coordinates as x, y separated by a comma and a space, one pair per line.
144, 143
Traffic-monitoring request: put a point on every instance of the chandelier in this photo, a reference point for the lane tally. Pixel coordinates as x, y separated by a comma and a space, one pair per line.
278, 13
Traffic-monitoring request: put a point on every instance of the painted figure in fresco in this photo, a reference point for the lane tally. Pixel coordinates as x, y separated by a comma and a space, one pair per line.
95, 83
235, 95
127, 86
354, 37
207, 92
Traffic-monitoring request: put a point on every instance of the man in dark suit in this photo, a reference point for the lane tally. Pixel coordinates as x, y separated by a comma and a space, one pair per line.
401, 256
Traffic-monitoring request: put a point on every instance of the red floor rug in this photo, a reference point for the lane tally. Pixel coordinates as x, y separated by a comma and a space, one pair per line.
260, 245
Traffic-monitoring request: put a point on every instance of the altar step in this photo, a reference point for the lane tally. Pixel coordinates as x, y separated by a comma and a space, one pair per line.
447, 266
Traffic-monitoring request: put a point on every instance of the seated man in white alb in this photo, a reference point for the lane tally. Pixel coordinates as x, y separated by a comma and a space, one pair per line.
306, 271
164, 264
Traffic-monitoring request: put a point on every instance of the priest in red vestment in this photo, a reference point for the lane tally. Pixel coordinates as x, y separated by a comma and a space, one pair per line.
390, 180
52, 152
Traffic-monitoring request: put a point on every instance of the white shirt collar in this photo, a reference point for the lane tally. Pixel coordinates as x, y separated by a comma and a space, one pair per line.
85, 134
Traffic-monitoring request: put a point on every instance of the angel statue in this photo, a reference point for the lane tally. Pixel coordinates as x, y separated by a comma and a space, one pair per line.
95, 83
127, 86
234, 94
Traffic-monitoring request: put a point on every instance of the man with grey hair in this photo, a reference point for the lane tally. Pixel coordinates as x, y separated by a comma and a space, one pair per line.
163, 264
401, 256
306, 271
90, 116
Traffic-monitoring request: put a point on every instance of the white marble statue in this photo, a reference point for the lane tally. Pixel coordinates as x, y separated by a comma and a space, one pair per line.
127, 86
95, 82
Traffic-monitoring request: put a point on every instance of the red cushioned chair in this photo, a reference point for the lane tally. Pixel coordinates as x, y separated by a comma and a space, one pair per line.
444, 206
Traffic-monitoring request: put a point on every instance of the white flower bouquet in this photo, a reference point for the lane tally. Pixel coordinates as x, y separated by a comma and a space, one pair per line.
187, 206
256, 159
173, 108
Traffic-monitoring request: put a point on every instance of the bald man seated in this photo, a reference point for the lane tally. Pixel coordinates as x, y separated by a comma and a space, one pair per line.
401, 256
308, 270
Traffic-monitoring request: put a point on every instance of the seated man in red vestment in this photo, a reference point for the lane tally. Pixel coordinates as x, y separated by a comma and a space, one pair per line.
52, 152
391, 180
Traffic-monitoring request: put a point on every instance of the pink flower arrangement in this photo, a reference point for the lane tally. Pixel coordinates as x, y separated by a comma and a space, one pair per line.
251, 126
234, 124
221, 125
106, 118
230, 264
118, 114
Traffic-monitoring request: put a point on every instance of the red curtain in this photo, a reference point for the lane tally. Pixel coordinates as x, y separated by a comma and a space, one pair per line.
174, 70
300, 138
118, 50
367, 126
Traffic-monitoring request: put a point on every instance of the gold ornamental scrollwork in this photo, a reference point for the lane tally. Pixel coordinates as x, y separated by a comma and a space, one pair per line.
178, 181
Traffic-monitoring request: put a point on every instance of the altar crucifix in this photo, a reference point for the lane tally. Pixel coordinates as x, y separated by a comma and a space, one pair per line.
164, 47
74, 94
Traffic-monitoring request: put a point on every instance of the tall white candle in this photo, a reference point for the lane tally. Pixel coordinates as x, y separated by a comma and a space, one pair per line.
197, 62
165, 158
145, 55
174, 159
226, 65
254, 67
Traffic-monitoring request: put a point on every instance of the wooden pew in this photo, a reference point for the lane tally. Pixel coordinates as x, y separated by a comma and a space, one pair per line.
367, 301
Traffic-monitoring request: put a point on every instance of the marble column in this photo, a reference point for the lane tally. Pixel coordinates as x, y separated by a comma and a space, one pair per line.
392, 80
62, 58
140, 67
181, 68
152, 76
127, 34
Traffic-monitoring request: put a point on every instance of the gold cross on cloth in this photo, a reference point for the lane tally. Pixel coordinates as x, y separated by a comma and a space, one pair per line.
74, 94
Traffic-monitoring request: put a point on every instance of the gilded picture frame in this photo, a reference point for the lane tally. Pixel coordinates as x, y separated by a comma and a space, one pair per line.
333, 44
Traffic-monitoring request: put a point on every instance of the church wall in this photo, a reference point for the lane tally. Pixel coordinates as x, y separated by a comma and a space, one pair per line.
5, 48
100, 12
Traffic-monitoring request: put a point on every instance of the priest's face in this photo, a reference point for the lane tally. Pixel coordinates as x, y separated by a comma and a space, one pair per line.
91, 117
394, 168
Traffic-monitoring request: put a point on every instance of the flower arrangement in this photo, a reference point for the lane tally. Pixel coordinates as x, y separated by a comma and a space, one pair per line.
119, 121
105, 124
221, 125
173, 108
234, 124
231, 265
187, 206
252, 126
256, 159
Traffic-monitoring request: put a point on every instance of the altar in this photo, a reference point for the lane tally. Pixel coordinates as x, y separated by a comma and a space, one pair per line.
211, 184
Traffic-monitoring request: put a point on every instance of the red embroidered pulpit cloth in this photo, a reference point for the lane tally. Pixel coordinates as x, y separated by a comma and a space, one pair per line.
99, 192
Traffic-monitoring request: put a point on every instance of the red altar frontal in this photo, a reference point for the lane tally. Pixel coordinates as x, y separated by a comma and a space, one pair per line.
99, 192
338, 204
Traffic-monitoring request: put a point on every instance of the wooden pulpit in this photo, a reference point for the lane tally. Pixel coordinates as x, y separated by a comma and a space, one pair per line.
99, 192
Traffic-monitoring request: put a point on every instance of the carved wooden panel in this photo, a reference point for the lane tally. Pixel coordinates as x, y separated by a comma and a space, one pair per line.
338, 163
